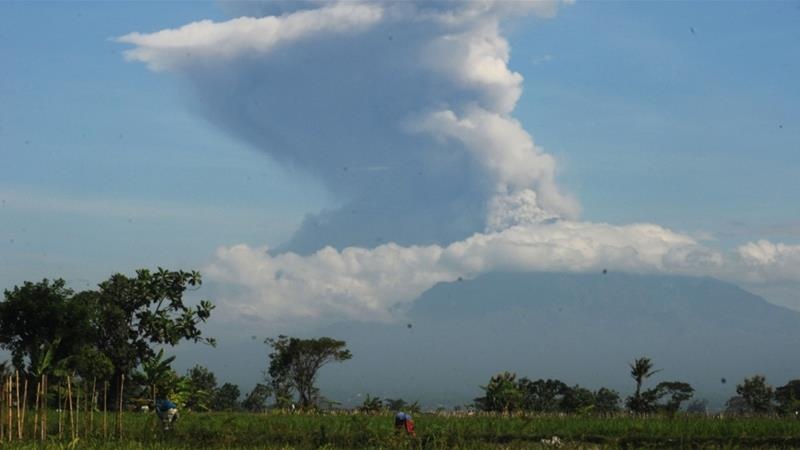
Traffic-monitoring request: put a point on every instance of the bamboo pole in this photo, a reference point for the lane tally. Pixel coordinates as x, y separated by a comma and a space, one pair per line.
24, 401
94, 403
2, 408
36, 408
119, 413
77, 411
60, 411
44, 407
105, 409
10, 409
69, 404
19, 410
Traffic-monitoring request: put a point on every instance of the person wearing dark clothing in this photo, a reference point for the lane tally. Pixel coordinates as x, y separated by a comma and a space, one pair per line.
403, 421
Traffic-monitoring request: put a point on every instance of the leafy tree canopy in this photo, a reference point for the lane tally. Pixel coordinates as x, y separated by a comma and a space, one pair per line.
788, 397
256, 400
294, 365
226, 398
756, 394
101, 333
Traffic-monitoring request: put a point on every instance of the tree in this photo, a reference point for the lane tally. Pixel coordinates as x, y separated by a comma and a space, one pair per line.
91, 364
577, 400
256, 400
756, 394
294, 364
677, 393
641, 369
371, 405
203, 384
94, 332
788, 397
135, 313
606, 401
42, 317
501, 394
226, 398
542, 395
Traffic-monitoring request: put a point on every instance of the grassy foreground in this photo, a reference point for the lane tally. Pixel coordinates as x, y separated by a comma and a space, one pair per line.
345, 431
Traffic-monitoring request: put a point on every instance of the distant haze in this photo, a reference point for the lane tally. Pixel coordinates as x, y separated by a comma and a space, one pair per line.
580, 328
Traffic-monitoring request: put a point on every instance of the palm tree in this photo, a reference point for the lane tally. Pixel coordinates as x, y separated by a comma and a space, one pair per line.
641, 369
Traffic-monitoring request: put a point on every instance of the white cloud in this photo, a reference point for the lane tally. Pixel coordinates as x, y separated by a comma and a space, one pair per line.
764, 261
373, 284
221, 41
448, 57
410, 118
478, 59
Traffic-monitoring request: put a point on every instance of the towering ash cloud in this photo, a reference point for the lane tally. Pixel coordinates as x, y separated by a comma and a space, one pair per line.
403, 110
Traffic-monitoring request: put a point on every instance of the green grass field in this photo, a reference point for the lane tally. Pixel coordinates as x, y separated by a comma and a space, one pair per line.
344, 431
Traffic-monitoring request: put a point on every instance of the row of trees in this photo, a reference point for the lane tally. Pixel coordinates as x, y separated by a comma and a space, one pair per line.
102, 334
506, 393
112, 333
755, 396
198, 390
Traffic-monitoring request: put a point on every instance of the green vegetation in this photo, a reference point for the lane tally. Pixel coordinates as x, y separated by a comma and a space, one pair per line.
482, 431
81, 363
294, 364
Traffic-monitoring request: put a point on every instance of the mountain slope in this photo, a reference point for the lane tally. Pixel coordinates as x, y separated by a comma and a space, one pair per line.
581, 328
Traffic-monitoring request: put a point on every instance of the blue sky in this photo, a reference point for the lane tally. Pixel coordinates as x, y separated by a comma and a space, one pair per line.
696, 131
674, 113
105, 167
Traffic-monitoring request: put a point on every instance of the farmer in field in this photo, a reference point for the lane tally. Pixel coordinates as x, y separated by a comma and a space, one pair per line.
167, 411
403, 421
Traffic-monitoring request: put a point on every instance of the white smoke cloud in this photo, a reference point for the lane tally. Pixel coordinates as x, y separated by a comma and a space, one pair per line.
505, 151
373, 284
404, 110
206, 40
422, 89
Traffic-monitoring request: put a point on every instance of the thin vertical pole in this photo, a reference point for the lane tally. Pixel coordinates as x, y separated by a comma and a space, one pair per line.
77, 411
105, 409
69, 402
44, 407
2, 422
24, 401
36, 409
10, 410
60, 396
119, 413
19, 411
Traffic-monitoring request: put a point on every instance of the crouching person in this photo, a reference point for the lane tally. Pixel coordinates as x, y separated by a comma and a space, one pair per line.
167, 412
404, 422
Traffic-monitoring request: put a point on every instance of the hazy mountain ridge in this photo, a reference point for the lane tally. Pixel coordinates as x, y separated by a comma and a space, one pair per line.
581, 328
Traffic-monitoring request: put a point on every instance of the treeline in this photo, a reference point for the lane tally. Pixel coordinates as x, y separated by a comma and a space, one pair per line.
101, 344
196, 390
99, 337
506, 394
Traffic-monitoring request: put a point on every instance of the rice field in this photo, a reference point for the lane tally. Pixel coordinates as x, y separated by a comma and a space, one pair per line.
357, 431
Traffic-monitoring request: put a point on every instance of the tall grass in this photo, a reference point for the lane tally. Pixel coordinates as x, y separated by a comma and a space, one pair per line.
355, 431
